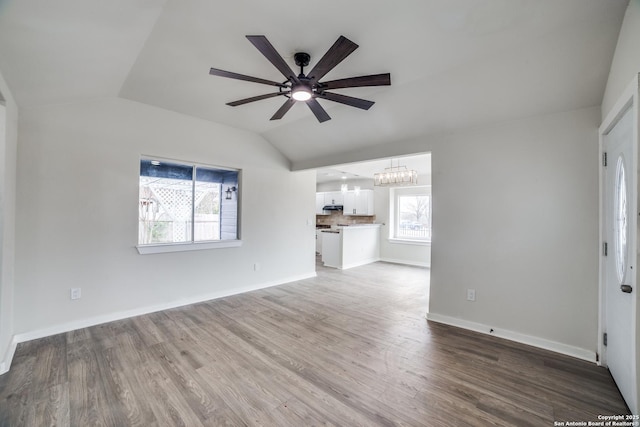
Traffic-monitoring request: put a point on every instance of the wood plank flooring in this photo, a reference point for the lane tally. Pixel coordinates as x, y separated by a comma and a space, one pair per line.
348, 348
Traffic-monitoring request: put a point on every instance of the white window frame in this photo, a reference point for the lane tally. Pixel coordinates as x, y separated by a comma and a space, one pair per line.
394, 213
154, 248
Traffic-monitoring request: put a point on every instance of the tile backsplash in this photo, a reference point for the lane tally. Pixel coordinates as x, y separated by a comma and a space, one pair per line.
336, 218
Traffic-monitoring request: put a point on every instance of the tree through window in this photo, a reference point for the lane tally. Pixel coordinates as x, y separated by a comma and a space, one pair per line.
412, 216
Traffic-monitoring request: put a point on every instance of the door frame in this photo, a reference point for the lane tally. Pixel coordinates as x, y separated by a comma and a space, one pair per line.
628, 99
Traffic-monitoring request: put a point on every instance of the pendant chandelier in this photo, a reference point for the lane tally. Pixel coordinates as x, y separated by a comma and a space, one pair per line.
395, 176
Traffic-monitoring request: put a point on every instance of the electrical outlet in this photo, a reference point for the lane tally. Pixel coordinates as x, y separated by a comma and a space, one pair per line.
75, 293
471, 294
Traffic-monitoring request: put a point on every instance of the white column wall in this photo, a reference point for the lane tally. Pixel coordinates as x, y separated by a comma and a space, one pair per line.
515, 217
8, 146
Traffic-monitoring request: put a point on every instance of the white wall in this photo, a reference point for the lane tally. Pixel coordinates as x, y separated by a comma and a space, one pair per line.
515, 217
8, 143
78, 168
365, 184
626, 59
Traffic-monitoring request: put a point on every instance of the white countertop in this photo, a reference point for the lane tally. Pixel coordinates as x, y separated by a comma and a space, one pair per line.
339, 228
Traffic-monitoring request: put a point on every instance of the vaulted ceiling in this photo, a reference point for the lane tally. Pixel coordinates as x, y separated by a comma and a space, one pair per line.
453, 63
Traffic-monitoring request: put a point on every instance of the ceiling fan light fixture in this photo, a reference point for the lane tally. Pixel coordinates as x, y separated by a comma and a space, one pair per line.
301, 93
307, 87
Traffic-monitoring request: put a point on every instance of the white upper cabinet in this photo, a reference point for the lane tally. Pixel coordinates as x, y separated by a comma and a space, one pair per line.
354, 204
328, 198
360, 203
319, 204
333, 198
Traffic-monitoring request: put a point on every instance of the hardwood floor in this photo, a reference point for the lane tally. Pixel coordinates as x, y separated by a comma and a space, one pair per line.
347, 348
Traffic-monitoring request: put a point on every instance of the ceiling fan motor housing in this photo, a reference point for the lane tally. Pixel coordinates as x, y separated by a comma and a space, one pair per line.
302, 59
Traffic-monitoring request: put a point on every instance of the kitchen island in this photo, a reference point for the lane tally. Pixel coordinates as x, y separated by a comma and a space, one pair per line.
350, 246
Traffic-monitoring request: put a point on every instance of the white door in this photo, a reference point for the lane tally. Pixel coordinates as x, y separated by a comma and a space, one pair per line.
620, 228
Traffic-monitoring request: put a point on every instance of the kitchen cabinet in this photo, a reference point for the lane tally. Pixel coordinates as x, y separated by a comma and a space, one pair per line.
351, 246
333, 198
319, 242
320, 204
328, 198
360, 203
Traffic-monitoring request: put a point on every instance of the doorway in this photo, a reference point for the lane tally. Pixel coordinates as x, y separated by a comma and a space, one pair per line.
405, 234
403, 212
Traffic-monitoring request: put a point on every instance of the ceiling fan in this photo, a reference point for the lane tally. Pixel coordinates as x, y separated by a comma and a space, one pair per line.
308, 88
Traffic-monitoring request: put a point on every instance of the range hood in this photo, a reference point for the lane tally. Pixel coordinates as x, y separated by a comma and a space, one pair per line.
332, 208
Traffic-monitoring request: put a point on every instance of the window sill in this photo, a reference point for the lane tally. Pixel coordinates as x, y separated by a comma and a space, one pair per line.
181, 247
409, 242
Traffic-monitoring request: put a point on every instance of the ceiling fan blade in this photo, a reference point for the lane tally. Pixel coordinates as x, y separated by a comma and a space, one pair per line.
255, 98
231, 75
347, 100
336, 53
318, 111
267, 49
372, 80
283, 110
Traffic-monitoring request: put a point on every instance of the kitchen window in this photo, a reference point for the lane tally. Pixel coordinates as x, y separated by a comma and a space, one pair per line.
411, 214
186, 206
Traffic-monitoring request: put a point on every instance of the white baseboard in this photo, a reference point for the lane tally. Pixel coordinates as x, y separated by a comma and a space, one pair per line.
568, 350
359, 263
405, 262
5, 365
97, 320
